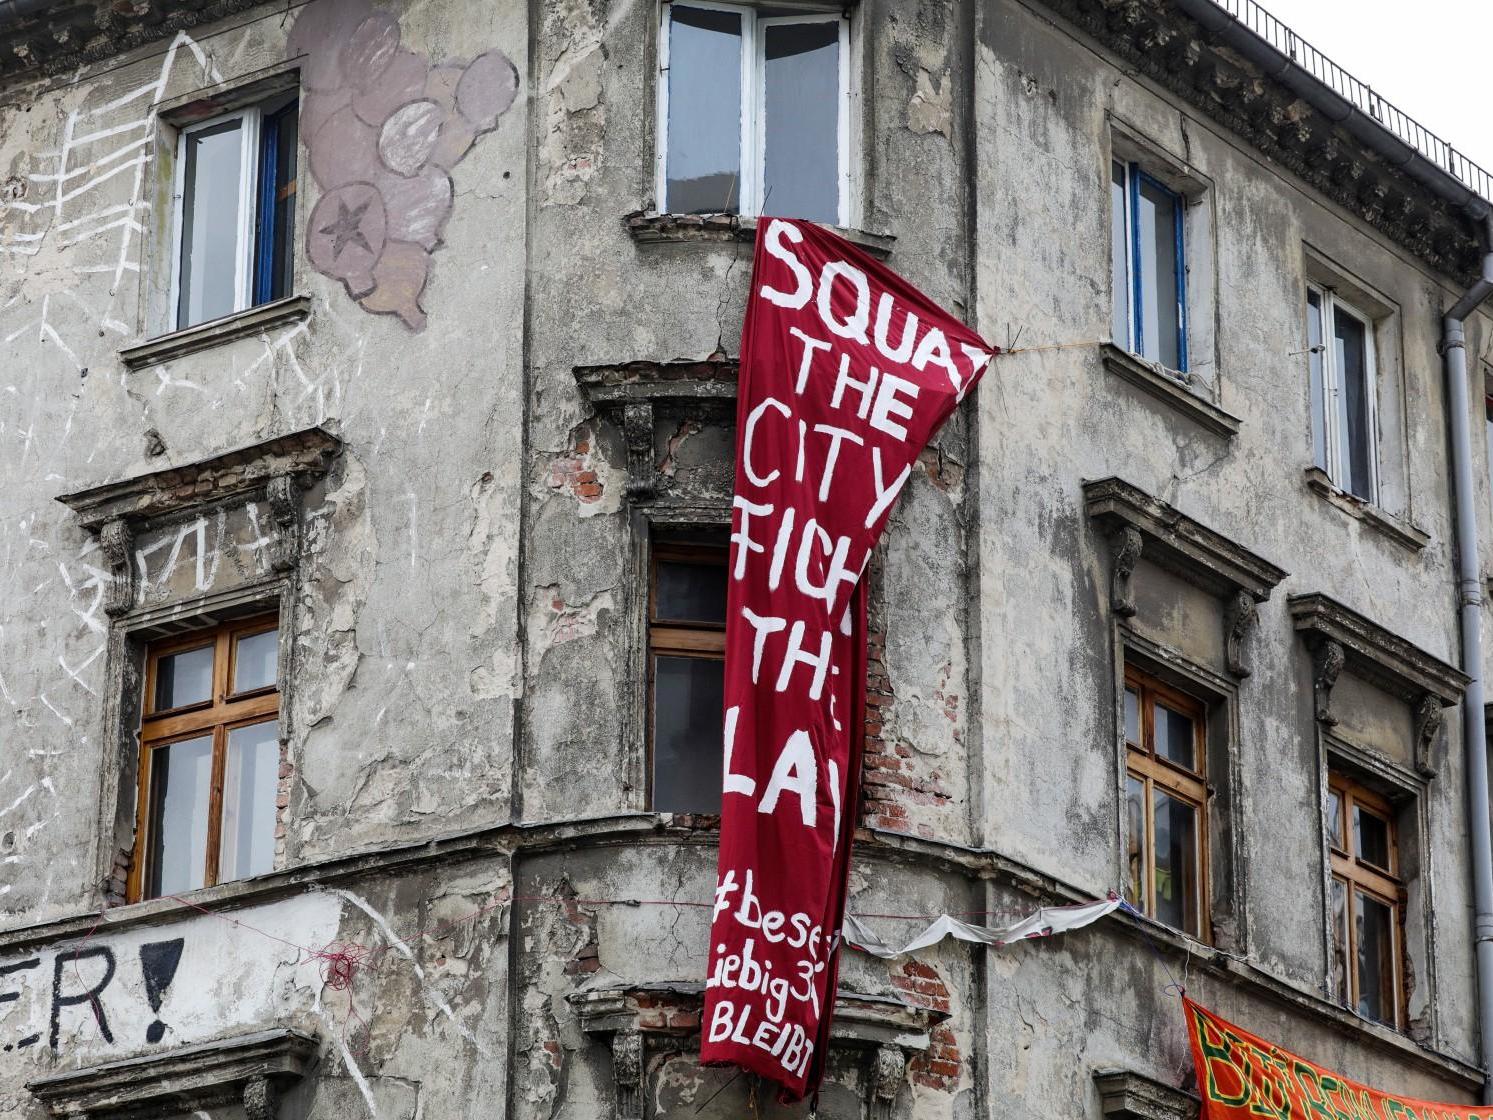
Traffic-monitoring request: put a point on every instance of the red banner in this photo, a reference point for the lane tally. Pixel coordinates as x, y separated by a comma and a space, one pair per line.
1242, 1076
846, 372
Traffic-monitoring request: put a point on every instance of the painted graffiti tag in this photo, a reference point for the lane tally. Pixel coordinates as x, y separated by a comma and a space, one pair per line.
80, 978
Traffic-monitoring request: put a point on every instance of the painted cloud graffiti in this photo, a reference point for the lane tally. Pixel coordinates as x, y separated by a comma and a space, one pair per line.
383, 128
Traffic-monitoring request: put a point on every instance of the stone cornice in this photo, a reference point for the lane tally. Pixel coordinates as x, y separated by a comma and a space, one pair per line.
246, 1068
1187, 547
652, 228
1375, 653
1133, 1096
47, 39
1173, 50
301, 455
633, 395
707, 386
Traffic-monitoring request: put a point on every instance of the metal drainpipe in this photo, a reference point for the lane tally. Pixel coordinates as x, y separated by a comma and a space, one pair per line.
1470, 598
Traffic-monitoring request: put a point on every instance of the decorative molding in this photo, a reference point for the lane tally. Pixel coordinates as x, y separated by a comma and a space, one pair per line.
1429, 716
216, 332
1377, 519
261, 1099
1138, 523
117, 544
648, 227
283, 495
1168, 387
1327, 664
1125, 546
627, 1073
634, 395
303, 456
673, 388
1134, 1096
1177, 542
1380, 657
62, 37
637, 430
663, 1017
888, 1075
247, 1069
1240, 617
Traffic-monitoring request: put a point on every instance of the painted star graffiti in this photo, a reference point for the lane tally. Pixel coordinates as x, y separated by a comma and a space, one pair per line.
347, 228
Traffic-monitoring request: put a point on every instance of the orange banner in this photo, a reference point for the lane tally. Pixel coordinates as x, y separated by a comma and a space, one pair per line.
1242, 1076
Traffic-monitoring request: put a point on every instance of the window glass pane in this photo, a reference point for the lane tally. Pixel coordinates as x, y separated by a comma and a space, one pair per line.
282, 263
1350, 343
1488, 431
180, 780
255, 659
1318, 383
690, 592
1335, 819
251, 778
1174, 737
1340, 990
1371, 838
1156, 250
184, 678
801, 99
1375, 930
687, 706
1119, 253
1132, 717
1135, 875
704, 129
1176, 862
211, 175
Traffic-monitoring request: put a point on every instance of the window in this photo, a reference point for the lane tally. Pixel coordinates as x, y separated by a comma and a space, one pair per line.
1148, 266
235, 211
209, 759
754, 112
1368, 900
1340, 345
686, 674
1166, 798
1488, 431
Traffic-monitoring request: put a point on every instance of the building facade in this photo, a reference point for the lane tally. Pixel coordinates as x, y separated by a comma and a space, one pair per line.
366, 423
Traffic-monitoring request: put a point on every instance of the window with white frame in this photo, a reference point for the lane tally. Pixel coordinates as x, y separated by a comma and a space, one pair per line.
753, 111
1148, 266
235, 211
1340, 347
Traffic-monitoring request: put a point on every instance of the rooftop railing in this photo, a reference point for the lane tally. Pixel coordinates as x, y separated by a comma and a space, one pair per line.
1362, 96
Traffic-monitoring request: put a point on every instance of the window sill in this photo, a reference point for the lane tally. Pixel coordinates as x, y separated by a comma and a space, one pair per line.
648, 228
1401, 532
215, 332
1168, 388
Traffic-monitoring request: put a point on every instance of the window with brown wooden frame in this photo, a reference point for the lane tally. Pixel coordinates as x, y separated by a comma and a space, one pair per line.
1367, 907
1166, 798
686, 673
209, 758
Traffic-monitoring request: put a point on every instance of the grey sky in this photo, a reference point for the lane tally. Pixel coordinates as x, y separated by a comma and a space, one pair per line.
1431, 58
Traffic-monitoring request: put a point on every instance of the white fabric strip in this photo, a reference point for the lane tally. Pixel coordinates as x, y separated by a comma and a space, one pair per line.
1044, 923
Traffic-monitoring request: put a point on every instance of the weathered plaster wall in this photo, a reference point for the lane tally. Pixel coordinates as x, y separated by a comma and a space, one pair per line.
406, 684
466, 640
1046, 101
406, 696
